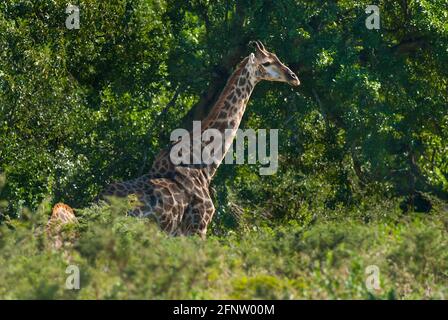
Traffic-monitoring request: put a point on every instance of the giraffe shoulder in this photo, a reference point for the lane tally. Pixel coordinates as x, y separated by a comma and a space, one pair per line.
63, 213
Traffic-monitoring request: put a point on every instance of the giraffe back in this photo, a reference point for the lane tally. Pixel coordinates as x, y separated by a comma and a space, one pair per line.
62, 214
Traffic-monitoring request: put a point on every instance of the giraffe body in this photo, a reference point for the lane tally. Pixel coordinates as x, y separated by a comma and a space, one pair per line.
173, 202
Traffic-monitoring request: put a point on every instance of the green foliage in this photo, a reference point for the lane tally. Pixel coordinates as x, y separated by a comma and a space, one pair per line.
78, 106
367, 128
126, 258
82, 108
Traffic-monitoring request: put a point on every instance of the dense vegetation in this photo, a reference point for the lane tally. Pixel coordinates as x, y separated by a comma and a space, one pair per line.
125, 258
363, 168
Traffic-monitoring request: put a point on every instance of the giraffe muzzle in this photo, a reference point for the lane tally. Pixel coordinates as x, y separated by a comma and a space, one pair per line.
293, 79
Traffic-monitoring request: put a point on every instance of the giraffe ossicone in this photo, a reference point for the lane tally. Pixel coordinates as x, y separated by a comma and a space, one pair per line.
177, 195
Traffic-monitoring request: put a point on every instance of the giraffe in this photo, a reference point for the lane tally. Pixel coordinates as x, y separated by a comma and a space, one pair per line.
61, 215
178, 196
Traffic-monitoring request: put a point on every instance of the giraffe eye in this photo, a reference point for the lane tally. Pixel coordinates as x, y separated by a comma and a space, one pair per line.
266, 64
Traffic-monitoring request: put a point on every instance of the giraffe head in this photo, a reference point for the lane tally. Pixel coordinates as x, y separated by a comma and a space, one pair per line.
270, 68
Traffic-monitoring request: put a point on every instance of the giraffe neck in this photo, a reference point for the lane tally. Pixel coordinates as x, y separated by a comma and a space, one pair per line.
226, 114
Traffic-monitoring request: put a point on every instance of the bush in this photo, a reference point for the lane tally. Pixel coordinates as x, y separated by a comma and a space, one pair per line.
120, 257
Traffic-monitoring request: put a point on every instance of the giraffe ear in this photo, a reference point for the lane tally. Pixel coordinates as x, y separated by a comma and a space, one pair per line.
252, 58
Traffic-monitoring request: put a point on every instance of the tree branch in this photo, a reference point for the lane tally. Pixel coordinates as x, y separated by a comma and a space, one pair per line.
160, 119
221, 73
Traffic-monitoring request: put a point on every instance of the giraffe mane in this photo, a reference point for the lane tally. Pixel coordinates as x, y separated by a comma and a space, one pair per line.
232, 79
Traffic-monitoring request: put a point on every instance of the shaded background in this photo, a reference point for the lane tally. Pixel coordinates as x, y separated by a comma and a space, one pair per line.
82, 108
